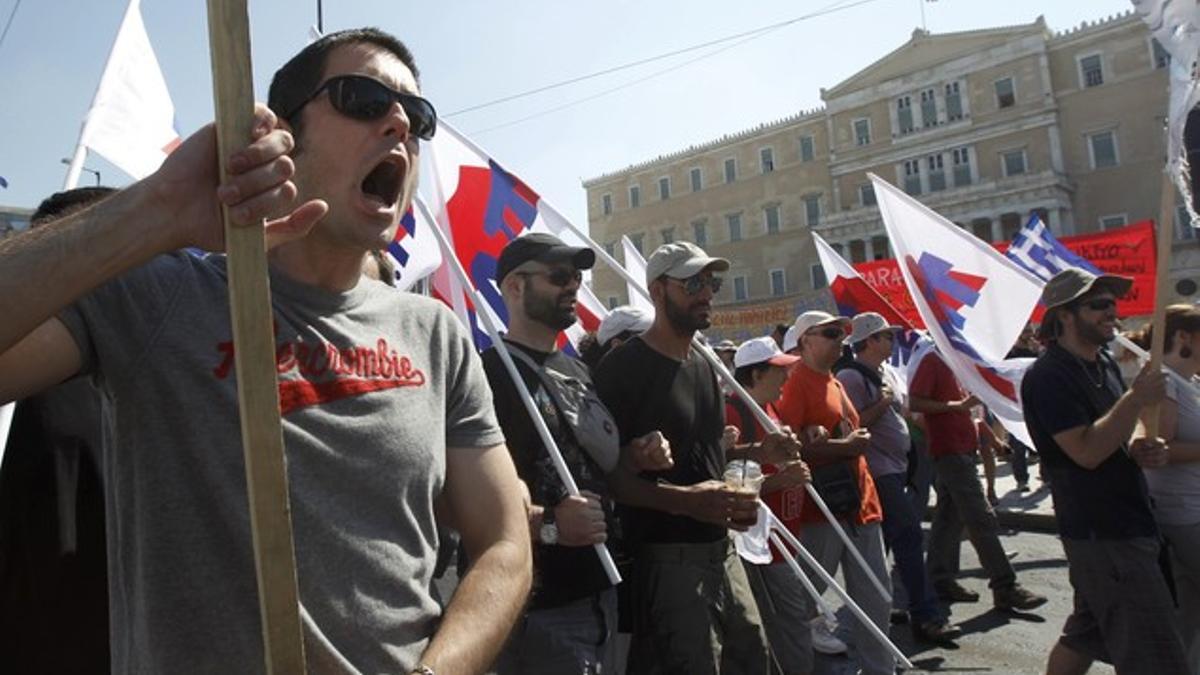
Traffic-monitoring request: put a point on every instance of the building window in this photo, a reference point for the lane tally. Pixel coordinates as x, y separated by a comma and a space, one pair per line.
778, 282
812, 210
866, 194
771, 219
635, 196
1183, 223
613, 301
929, 117
807, 149
611, 249
880, 248
668, 235
739, 288
700, 233
1102, 149
1006, 94
1014, 162
816, 275
1091, 71
734, 220
637, 240
912, 176
937, 173
766, 158
954, 109
664, 188
1162, 57
730, 170
1115, 220
962, 166
697, 179
904, 115
862, 131
606, 204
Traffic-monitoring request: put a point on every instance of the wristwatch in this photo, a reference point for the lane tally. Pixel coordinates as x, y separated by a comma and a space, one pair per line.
422, 669
548, 534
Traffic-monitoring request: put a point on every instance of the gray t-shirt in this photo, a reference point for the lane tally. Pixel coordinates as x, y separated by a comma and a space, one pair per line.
1176, 487
888, 450
374, 386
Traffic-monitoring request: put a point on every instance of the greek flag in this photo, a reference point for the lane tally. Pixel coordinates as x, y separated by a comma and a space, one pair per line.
1035, 250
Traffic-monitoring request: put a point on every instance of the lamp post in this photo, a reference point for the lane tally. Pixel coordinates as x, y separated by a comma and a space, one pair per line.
94, 172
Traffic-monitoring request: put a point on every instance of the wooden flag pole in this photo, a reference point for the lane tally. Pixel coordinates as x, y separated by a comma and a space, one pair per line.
254, 355
1162, 278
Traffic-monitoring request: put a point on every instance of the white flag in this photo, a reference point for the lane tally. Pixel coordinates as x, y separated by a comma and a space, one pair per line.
973, 300
415, 249
635, 264
132, 120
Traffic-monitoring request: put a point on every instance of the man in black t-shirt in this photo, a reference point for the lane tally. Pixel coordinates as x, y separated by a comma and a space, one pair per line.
694, 611
1081, 419
570, 622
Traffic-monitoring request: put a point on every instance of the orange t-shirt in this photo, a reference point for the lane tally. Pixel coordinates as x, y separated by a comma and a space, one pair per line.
810, 398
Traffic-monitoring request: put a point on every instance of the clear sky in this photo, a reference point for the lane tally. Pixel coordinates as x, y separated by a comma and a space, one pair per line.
474, 51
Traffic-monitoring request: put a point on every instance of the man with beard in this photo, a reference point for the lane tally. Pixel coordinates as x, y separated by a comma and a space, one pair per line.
1081, 419
386, 414
570, 623
694, 611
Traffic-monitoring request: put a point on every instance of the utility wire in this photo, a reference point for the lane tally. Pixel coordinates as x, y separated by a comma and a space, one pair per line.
8, 24
756, 32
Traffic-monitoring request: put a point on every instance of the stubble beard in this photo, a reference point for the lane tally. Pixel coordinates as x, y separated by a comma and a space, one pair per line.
547, 311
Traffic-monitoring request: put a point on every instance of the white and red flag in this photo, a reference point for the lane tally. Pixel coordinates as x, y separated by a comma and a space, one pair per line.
635, 264
414, 250
131, 122
973, 300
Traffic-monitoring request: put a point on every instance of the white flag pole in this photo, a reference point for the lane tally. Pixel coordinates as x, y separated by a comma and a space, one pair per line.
76, 166
777, 526
822, 606
560, 466
759, 414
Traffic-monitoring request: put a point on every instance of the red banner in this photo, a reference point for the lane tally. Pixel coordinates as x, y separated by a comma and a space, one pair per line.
1128, 251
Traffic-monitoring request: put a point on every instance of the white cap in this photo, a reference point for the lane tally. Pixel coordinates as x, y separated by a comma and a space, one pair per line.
814, 318
867, 324
791, 338
621, 319
762, 350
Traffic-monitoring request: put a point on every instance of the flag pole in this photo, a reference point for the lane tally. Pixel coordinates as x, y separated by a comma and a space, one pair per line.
539, 423
759, 414
254, 353
777, 526
1162, 278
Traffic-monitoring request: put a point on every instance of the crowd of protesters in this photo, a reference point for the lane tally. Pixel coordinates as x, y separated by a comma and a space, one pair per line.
123, 486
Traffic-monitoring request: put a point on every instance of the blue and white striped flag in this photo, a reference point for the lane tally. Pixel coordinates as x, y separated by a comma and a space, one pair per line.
1038, 252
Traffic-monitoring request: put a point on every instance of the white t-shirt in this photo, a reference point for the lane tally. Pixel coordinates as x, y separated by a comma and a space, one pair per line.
1176, 488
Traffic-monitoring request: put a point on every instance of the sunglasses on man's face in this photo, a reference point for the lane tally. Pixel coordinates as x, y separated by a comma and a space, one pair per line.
832, 333
561, 276
1100, 304
365, 98
694, 284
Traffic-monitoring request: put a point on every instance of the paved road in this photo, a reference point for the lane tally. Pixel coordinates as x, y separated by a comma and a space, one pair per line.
993, 642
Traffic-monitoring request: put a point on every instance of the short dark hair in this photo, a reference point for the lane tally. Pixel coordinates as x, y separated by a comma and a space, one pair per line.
61, 204
302, 74
745, 374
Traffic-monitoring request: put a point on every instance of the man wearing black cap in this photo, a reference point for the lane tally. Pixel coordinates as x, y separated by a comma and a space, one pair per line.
1082, 418
570, 622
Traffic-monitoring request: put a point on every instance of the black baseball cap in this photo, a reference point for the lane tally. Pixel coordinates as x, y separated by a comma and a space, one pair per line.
541, 247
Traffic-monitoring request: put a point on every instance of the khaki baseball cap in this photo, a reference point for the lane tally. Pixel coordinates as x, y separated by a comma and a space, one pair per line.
680, 260
1074, 282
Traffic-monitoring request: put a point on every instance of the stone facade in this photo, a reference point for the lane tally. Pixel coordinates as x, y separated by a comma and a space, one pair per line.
985, 127
13, 219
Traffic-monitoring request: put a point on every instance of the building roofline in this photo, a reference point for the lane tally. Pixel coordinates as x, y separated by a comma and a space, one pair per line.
1087, 27
705, 146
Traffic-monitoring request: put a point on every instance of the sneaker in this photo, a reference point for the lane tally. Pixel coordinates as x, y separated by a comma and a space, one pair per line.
823, 639
1016, 597
936, 631
1023, 486
952, 591
899, 617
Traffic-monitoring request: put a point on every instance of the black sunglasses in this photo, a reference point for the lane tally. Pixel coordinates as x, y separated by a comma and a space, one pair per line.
830, 333
561, 277
1100, 304
694, 284
365, 98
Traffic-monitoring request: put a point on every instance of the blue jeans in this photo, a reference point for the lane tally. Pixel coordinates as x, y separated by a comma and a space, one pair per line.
902, 534
574, 638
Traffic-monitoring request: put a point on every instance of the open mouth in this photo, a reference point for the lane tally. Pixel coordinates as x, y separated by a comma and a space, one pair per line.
383, 184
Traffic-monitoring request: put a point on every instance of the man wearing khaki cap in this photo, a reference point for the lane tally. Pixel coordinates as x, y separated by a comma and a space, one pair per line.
1082, 420
872, 388
693, 609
